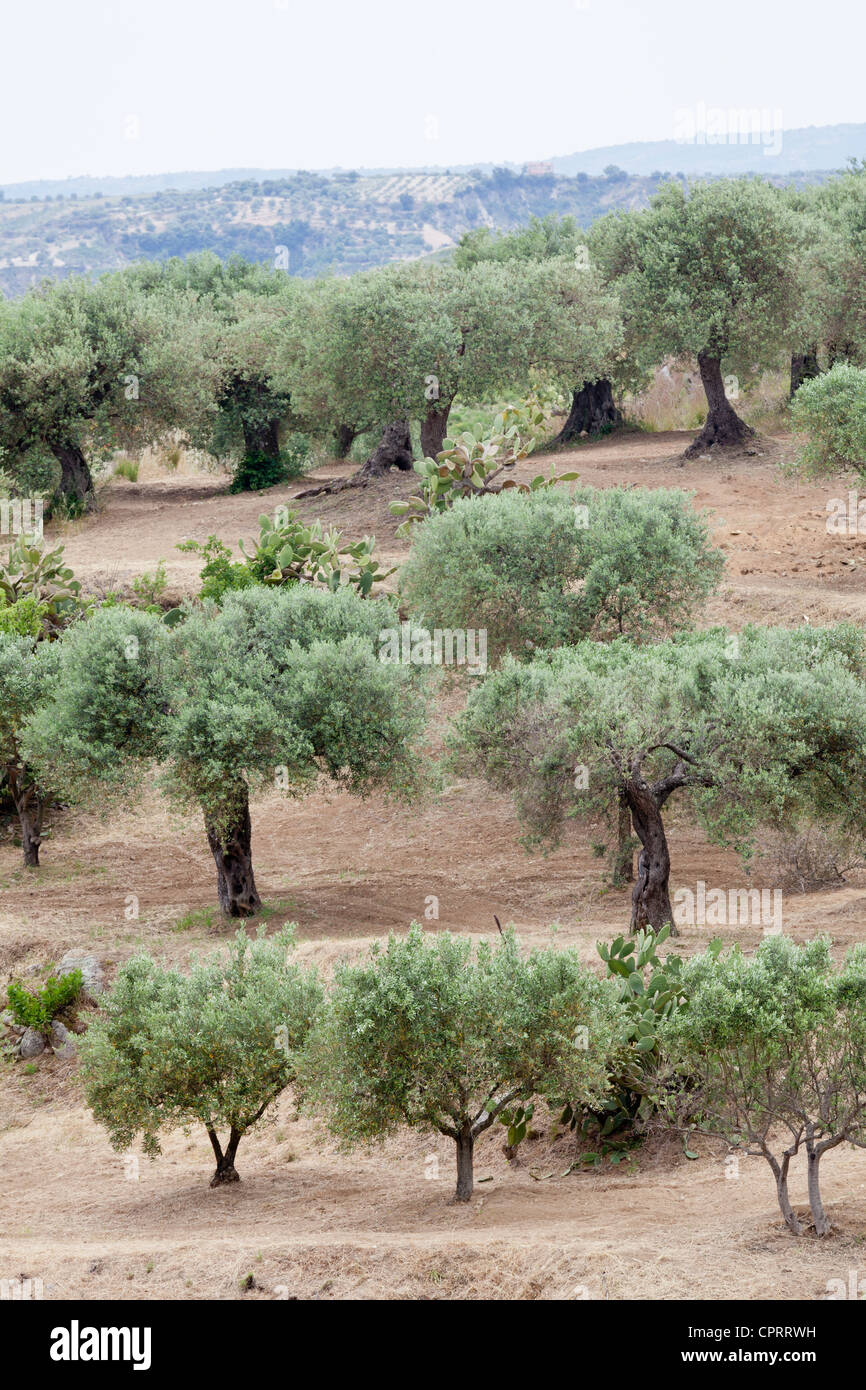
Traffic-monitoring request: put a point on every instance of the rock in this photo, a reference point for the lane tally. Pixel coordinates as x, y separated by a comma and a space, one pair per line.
7, 1021
91, 972
61, 1041
32, 1044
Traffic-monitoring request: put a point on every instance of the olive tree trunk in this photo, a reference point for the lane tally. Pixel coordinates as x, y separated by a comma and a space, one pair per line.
651, 903
780, 1173
723, 425
465, 1172
592, 410
262, 440
225, 1169
622, 866
804, 366
30, 808
76, 481
434, 428
344, 438
230, 843
394, 450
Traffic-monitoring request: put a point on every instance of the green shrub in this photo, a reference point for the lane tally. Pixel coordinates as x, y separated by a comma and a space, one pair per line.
831, 410
546, 569
429, 1034
217, 1046
36, 1008
769, 1052
255, 472
127, 468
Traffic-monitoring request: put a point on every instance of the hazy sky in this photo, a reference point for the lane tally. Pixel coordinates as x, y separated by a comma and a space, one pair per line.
149, 86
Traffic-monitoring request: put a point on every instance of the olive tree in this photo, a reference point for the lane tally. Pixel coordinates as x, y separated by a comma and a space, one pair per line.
559, 239
752, 728
276, 689
710, 271
216, 1046
428, 1034
543, 569
770, 1052
247, 308
85, 368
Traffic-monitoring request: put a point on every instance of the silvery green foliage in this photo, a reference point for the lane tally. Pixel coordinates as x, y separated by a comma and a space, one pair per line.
770, 1052
274, 679
433, 1033
831, 411
547, 569
215, 1046
759, 727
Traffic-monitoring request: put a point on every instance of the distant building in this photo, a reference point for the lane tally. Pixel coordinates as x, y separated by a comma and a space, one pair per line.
539, 170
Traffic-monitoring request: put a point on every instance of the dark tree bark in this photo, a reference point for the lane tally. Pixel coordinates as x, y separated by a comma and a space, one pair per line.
623, 856
262, 440
434, 428
230, 845
651, 904
76, 482
225, 1169
804, 366
30, 808
394, 450
465, 1172
723, 425
344, 438
592, 410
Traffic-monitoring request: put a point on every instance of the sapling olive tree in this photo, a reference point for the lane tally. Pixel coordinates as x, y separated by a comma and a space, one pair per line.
216, 1046
276, 689
752, 728
770, 1052
544, 568
429, 1034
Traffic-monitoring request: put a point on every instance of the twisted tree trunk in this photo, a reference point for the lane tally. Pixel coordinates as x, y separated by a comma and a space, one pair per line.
723, 425
230, 843
225, 1169
76, 481
651, 904
592, 410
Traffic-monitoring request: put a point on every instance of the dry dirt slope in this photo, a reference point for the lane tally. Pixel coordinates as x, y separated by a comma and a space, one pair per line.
307, 1221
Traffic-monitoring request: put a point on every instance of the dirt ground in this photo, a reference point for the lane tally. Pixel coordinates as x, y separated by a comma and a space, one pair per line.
306, 1220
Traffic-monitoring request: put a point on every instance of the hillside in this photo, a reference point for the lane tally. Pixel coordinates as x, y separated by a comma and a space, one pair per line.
336, 223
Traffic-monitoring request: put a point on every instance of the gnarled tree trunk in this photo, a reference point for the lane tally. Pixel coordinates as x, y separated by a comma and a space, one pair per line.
723, 425
434, 428
394, 450
225, 1169
592, 410
804, 366
344, 438
230, 842
651, 904
819, 1216
76, 482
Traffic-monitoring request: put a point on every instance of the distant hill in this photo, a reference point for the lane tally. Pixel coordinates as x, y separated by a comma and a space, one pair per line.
334, 221
759, 148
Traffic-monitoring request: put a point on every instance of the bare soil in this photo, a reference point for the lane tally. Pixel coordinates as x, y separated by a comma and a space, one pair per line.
306, 1220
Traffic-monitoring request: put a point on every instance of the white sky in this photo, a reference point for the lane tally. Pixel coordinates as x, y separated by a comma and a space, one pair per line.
151, 86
